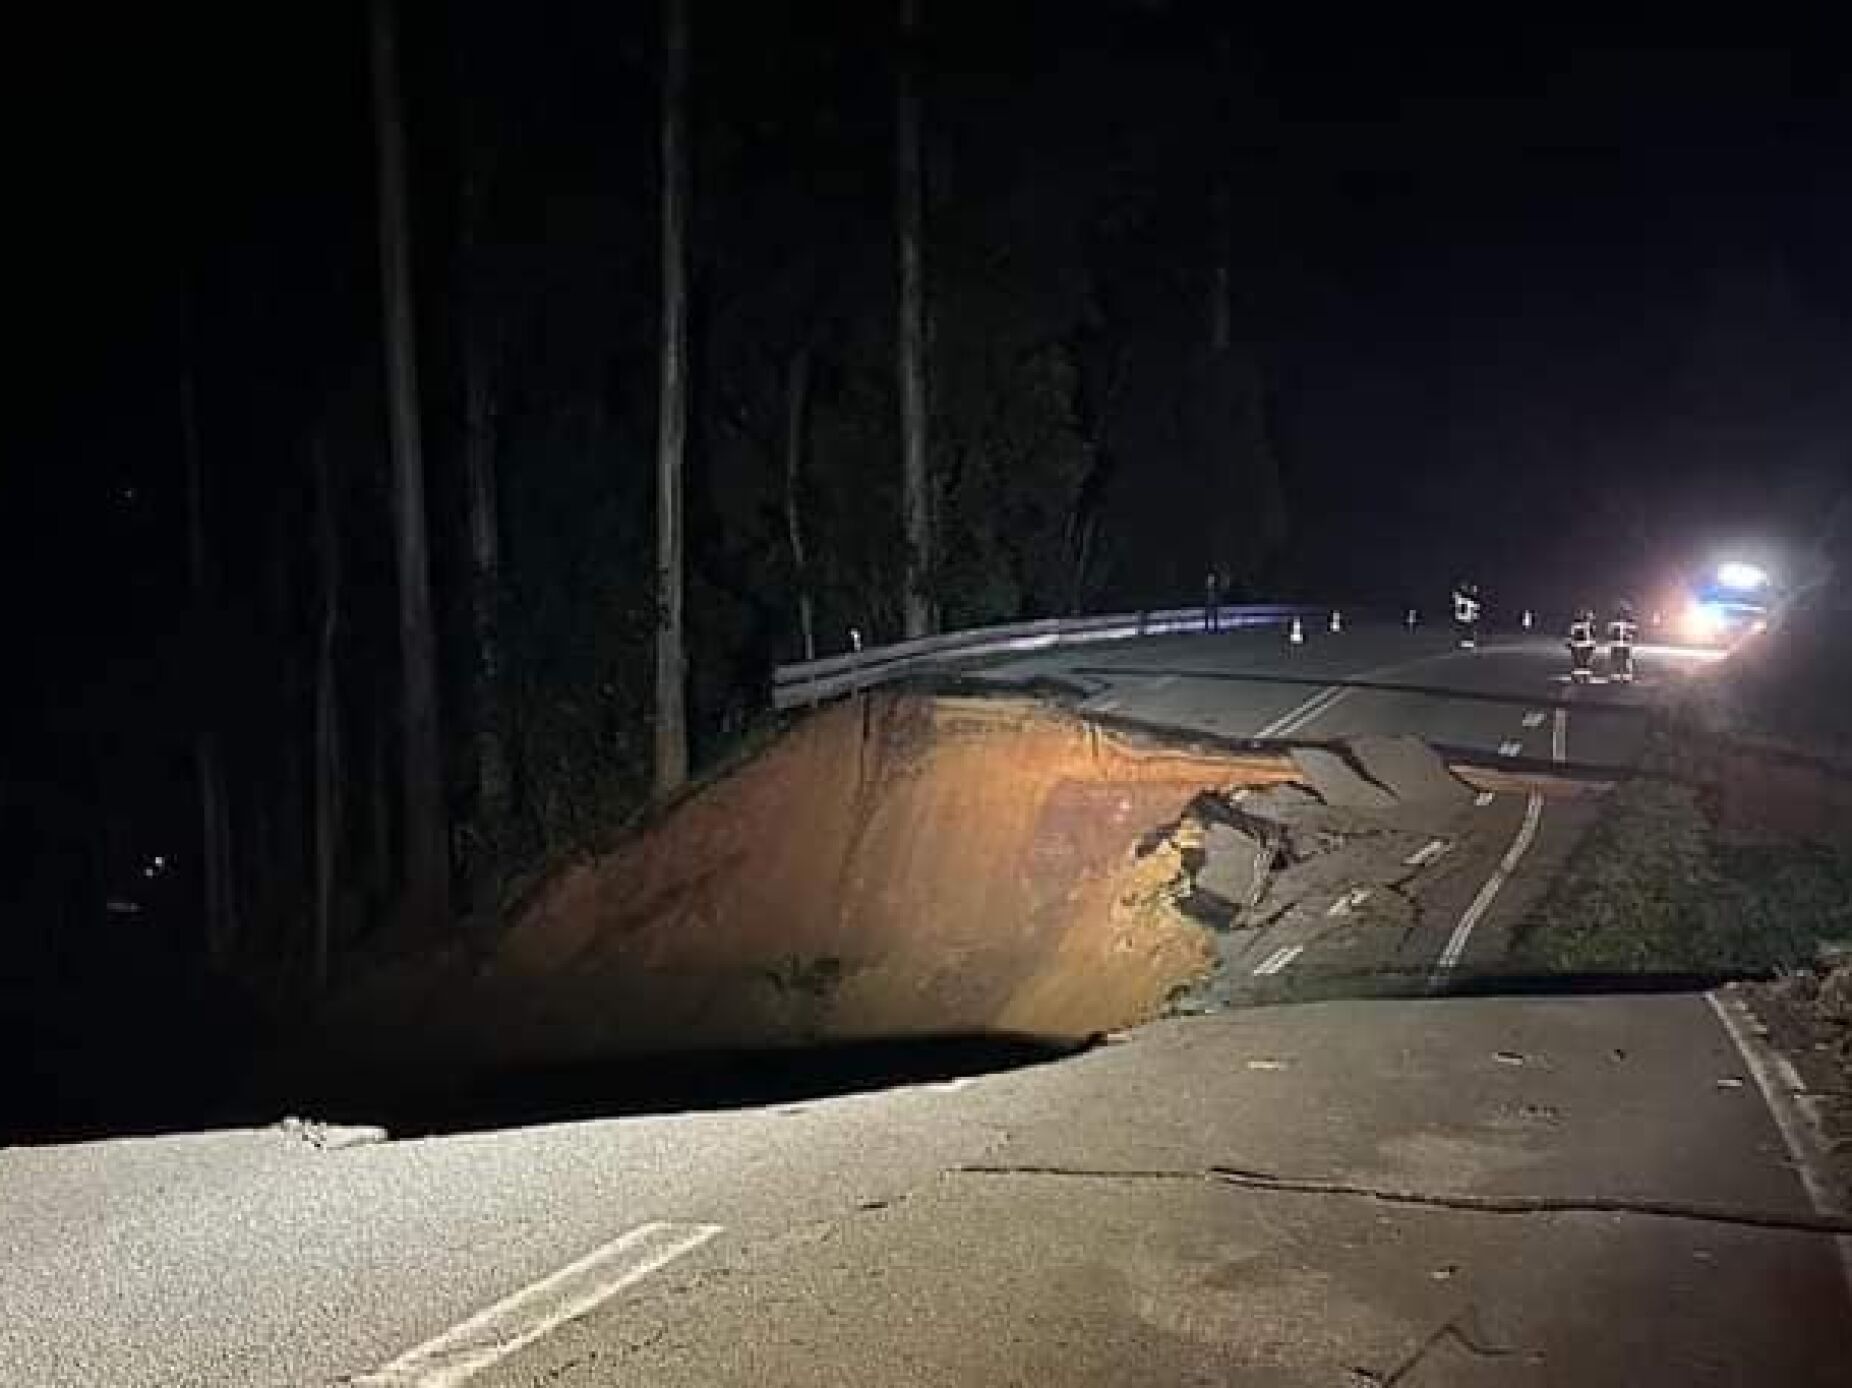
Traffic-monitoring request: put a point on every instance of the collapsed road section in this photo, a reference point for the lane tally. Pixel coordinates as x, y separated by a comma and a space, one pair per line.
904, 865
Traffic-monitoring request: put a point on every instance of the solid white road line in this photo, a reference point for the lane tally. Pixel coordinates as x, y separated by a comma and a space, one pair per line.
1298, 716
1776, 1077
1527, 834
1488, 893
1510, 749
516, 1321
1427, 853
1534, 719
1327, 698
1278, 960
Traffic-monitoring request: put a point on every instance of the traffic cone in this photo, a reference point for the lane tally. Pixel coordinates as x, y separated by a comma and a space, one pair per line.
1296, 635
1337, 620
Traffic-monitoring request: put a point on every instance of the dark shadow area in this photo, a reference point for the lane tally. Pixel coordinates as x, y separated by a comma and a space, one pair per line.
685, 1082
1454, 693
168, 1089
1544, 985
1394, 985
123, 1055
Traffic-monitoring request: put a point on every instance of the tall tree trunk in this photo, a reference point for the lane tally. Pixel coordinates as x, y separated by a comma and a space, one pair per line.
672, 417
1082, 561
218, 899
1221, 199
480, 357
797, 413
379, 797
916, 490
425, 899
1221, 310
485, 556
328, 777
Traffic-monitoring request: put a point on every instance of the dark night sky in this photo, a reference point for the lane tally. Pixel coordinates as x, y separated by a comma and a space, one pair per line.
1516, 294
1491, 257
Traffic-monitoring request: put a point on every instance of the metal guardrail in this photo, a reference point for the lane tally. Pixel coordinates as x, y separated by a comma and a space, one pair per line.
813, 681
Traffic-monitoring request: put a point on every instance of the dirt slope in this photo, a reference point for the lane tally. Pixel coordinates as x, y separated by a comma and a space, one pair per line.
897, 865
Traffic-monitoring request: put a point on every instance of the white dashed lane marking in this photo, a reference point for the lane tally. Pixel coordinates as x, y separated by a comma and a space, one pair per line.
1534, 719
1427, 853
1278, 960
1510, 749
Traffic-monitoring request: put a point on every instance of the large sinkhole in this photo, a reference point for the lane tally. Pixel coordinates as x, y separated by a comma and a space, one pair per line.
898, 871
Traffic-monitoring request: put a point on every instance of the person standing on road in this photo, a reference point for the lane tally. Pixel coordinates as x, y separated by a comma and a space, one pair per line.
1623, 631
1466, 614
1582, 646
1212, 605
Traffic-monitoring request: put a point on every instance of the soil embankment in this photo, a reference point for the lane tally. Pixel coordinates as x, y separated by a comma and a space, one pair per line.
894, 866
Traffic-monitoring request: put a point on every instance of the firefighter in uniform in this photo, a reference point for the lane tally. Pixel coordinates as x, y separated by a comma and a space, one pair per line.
1582, 646
1466, 614
1623, 631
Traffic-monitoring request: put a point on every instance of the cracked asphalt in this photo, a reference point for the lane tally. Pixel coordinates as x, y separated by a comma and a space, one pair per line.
1414, 1190
1096, 1247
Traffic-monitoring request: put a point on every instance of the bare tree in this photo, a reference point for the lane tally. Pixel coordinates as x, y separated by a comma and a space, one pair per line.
425, 897
480, 358
797, 417
328, 773
672, 419
485, 555
220, 901
916, 492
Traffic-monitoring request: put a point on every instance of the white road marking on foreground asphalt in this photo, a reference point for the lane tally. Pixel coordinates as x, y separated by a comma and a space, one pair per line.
1510, 749
516, 1321
1427, 853
1295, 718
1804, 1153
1484, 798
1534, 719
1349, 902
1278, 960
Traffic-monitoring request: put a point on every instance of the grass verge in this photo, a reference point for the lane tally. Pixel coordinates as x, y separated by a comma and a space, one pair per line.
1655, 888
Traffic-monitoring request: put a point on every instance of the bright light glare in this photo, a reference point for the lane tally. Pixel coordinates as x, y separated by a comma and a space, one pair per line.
1703, 621
1736, 574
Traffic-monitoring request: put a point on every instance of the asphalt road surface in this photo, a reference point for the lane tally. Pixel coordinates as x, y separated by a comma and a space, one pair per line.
1415, 1190
1372, 679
